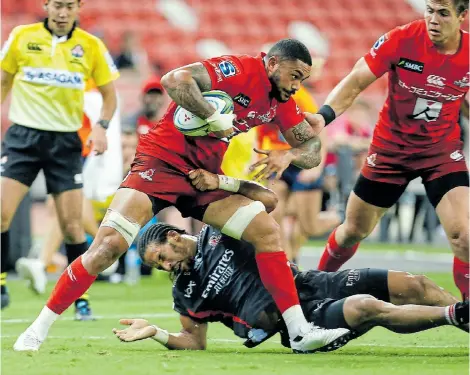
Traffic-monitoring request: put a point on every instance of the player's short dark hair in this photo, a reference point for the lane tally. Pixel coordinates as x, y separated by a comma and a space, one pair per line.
291, 49
460, 5
157, 234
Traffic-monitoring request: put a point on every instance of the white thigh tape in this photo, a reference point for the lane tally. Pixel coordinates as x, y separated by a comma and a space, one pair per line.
126, 228
236, 225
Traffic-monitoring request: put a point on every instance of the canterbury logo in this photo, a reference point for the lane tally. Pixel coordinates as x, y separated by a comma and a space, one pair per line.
70, 273
456, 156
34, 47
436, 80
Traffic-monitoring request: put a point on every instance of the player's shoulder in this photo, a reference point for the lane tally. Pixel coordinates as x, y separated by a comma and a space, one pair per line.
409, 30
244, 64
83, 35
31, 28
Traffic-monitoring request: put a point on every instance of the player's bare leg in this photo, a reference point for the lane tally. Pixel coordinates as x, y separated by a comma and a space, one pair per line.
13, 193
129, 210
361, 219
453, 214
405, 289
240, 217
363, 312
311, 222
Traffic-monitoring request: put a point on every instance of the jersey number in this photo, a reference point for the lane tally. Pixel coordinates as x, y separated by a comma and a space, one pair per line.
427, 110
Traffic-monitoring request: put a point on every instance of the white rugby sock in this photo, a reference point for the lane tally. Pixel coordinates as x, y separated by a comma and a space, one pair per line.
295, 321
43, 322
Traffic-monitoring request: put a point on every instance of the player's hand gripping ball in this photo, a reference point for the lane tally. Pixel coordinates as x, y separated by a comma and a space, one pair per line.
191, 125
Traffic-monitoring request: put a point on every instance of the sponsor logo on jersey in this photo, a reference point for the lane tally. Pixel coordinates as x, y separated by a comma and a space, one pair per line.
34, 47
464, 82
221, 275
189, 289
429, 93
265, 117
78, 51
379, 42
227, 68
242, 99
371, 159
214, 240
436, 81
353, 277
147, 175
456, 156
411, 65
54, 77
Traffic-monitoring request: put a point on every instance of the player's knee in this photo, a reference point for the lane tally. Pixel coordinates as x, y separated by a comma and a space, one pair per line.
414, 289
368, 308
355, 230
264, 234
107, 247
6, 221
73, 231
459, 242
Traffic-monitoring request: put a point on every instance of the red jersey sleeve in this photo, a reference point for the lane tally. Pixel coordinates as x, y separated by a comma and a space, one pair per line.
288, 115
384, 53
227, 74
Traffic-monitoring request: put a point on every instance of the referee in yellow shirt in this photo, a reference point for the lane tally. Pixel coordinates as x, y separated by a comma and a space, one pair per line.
47, 65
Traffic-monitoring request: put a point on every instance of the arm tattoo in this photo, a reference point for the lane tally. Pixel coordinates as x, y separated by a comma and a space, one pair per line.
187, 92
301, 132
306, 146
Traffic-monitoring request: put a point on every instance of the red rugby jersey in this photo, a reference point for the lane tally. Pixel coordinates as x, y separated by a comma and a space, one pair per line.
426, 88
245, 79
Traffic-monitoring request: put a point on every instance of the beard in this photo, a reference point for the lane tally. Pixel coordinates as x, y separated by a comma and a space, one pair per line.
275, 93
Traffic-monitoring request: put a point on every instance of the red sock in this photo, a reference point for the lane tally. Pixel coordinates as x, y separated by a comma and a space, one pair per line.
277, 278
73, 282
335, 256
461, 275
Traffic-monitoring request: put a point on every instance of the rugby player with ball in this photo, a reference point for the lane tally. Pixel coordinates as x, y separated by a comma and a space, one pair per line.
261, 88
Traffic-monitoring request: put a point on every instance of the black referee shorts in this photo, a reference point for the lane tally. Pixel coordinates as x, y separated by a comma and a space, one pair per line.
25, 151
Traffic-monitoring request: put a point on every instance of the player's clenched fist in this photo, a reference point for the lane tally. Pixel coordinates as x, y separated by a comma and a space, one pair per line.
204, 180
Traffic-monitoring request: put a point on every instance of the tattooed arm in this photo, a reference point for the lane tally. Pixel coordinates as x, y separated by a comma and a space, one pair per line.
306, 147
185, 86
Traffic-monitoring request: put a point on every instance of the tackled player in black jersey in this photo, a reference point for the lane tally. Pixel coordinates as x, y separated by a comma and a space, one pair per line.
216, 280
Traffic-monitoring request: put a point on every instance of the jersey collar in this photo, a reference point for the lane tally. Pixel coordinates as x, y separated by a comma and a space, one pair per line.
69, 35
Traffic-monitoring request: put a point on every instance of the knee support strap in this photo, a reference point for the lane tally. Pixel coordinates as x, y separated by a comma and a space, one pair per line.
124, 226
236, 225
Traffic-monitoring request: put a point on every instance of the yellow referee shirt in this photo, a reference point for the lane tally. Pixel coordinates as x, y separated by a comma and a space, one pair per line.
50, 75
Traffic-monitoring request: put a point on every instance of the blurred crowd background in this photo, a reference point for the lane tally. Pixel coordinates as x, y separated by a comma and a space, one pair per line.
147, 38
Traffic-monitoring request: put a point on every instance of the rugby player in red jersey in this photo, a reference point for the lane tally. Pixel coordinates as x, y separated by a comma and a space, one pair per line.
261, 88
417, 134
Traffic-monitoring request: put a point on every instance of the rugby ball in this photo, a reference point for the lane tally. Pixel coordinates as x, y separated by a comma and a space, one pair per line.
191, 125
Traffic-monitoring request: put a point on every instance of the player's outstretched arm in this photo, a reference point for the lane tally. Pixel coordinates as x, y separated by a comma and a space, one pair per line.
193, 335
7, 83
204, 180
185, 86
345, 92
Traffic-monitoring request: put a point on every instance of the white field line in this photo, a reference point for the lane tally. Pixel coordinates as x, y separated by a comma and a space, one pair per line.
239, 342
99, 317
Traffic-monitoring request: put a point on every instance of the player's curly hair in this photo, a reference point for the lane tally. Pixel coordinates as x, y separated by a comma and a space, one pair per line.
291, 49
460, 5
155, 233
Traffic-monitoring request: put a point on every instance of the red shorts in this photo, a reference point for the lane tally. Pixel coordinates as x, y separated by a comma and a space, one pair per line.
394, 167
160, 180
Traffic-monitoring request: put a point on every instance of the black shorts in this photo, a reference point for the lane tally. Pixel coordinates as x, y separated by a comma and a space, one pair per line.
25, 151
322, 294
290, 177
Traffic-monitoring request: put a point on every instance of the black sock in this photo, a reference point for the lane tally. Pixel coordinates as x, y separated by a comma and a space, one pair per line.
73, 251
5, 250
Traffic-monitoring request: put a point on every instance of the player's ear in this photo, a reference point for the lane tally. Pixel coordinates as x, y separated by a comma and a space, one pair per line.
463, 15
173, 235
273, 62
